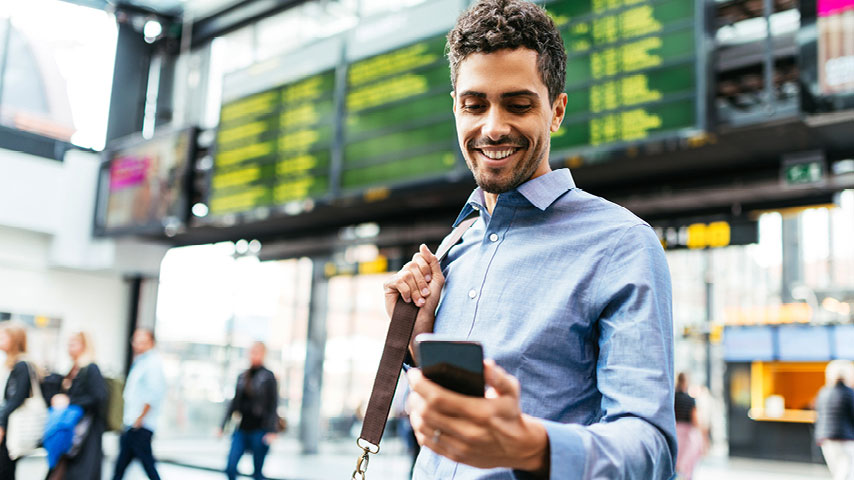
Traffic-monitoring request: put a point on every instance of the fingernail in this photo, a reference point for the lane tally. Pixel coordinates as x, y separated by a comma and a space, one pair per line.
428, 277
420, 302
425, 291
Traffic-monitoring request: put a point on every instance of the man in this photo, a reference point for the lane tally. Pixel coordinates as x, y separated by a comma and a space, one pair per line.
255, 398
568, 293
143, 395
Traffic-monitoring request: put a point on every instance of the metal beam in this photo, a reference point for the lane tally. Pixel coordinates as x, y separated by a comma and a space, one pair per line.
236, 16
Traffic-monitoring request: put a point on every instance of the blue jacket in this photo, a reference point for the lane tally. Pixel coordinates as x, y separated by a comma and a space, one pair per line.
59, 432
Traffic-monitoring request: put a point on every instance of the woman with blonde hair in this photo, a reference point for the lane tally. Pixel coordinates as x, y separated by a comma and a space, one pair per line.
834, 426
85, 387
13, 341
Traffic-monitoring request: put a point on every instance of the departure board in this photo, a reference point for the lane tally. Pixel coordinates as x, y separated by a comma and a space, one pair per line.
399, 126
275, 147
631, 70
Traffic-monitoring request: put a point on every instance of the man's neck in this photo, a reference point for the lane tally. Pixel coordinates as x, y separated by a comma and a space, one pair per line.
490, 199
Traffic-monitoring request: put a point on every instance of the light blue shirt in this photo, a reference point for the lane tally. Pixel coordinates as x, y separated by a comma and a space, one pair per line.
571, 294
145, 384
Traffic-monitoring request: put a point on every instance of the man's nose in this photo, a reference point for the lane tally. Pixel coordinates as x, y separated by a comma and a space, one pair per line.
495, 124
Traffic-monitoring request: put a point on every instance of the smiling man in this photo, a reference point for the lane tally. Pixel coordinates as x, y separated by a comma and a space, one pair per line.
569, 294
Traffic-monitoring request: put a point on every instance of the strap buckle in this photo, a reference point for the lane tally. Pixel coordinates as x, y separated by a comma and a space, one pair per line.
360, 473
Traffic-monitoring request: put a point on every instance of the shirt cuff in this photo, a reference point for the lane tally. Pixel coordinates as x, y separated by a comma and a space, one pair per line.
567, 455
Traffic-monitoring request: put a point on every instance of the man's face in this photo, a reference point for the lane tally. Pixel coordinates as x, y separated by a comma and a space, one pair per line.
256, 355
504, 117
141, 342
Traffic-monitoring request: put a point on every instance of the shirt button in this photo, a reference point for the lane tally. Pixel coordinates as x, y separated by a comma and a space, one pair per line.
493, 237
472, 293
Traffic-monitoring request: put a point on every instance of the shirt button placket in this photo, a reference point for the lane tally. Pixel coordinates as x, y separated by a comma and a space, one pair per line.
493, 237
472, 293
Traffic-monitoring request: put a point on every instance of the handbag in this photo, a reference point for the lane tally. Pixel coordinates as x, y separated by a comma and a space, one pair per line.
26, 423
394, 352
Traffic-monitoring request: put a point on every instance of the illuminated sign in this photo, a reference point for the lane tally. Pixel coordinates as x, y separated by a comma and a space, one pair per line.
399, 126
706, 234
631, 70
274, 147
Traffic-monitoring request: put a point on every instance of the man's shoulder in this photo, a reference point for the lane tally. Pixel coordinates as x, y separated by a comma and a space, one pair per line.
582, 205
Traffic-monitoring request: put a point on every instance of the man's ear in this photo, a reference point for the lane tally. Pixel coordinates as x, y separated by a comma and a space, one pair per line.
558, 111
454, 97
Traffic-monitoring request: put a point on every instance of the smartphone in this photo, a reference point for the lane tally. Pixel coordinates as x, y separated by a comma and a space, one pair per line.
454, 364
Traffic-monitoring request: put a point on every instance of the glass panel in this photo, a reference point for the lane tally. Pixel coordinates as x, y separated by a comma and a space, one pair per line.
212, 305
59, 70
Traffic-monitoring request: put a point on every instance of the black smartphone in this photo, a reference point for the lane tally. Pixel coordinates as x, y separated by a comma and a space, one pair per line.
454, 364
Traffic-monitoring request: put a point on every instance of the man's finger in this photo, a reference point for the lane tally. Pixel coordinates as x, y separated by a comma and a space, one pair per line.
432, 261
446, 401
498, 378
423, 266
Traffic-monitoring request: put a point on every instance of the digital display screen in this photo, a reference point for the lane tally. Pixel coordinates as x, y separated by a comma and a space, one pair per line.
631, 70
835, 46
843, 341
747, 344
804, 343
144, 183
399, 124
275, 147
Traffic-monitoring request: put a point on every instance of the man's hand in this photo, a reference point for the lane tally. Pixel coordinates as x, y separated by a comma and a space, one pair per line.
419, 281
137, 424
269, 438
481, 432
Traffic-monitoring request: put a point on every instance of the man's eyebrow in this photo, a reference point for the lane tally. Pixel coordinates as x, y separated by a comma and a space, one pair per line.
472, 93
520, 93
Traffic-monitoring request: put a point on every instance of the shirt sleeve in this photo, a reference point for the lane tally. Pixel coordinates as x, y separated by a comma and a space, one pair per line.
636, 435
18, 388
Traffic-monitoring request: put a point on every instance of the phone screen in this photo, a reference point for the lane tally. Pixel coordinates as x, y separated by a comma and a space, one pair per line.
455, 365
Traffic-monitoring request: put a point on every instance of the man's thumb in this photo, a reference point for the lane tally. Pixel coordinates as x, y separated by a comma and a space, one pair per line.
499, 379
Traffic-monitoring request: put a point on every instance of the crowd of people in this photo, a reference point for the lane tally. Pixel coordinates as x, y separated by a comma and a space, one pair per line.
67, 413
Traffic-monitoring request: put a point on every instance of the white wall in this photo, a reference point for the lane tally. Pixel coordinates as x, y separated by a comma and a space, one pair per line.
49, 263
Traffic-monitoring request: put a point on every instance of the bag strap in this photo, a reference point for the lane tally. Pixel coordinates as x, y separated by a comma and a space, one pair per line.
396, 345
35, 391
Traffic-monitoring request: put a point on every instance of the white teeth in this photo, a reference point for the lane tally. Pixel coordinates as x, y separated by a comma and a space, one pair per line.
497, 155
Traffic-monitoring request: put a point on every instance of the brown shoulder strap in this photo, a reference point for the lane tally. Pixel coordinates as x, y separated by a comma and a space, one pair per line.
394, 351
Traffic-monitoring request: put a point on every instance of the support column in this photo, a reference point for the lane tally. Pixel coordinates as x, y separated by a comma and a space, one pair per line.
792, 256
309, 429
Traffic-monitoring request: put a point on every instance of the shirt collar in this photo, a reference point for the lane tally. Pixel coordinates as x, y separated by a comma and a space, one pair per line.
540, 192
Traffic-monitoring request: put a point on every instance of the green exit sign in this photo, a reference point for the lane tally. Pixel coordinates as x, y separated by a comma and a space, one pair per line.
803, 169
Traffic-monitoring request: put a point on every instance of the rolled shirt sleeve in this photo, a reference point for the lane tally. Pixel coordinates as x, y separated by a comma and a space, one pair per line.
636, 436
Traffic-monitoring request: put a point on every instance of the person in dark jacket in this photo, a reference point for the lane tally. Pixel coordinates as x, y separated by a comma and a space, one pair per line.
255, 399
84, 386
834, 426
13, 341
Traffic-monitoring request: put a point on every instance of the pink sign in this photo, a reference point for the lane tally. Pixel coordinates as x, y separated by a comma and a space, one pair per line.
832, 7
128, 171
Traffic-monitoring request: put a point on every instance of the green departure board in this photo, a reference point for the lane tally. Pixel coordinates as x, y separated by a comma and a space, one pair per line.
398, 126
631, 70
275, 147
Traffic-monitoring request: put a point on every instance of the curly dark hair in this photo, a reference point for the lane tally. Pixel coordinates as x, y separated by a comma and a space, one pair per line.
491, 25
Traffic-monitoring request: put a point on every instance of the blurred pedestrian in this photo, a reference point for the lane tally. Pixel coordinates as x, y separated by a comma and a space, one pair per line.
13, 341
83, 386
834, 426
143, 395
688, 435
256, 397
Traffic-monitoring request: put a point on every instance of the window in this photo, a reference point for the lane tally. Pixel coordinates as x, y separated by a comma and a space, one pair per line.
56, 61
